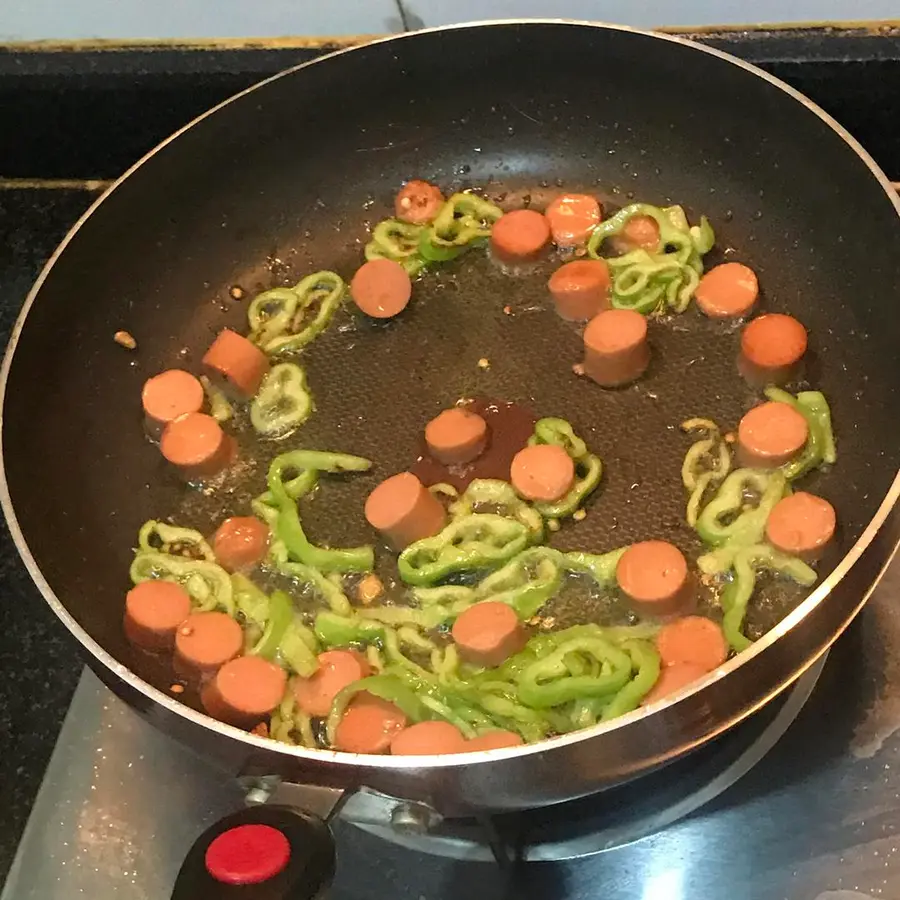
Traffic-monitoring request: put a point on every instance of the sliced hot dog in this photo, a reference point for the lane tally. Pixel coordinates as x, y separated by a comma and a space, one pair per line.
770, 435
404, 510
520, 236
772, 349
244, 690
337, 669
241, 543
543, 472
456, 436
728, 291
616, 351
640, 233
692, 639
169, 395
802, 525
207, 640
672, 679
488, 633
418, 202
654, 577
235, 364
369, 725
572, 218
427, 739
580, 289
494, 740
381, 288
197, 445
153, 612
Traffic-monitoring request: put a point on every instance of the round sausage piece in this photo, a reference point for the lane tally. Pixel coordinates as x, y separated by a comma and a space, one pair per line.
197, 445
240, 543
728, 291
456, 436
207, 640
153, 611
654, 577
770, 435
337, 669
692, 639
572, 218
802, 525
580, 289
244, 690
369, 725
418, 202
520, 236
494, 740
428, 739
488, 633
236, 365
381, 288
672, 679
168, 396
772, 349
543, 472
404, 510
640, 233
616, 351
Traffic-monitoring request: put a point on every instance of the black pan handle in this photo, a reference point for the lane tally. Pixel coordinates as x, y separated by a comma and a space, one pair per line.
265, 852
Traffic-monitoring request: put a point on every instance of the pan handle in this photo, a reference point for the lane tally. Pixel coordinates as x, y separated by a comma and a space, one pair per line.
272, 851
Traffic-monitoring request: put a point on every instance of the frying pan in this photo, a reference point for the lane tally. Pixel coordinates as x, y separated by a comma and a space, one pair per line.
286, 178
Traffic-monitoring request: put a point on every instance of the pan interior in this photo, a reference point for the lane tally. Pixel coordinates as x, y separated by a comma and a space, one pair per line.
287, 180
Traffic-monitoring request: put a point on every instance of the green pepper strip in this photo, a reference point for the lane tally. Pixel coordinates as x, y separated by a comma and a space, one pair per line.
288, 528
463, 220
278, 318
332, 594
525, 583
494, 495
288, 720
207, 583
707, 462
283, 402
397, 241
588, 467
646, 663
249, 600
219, 407
342, 631
174, 540
298, 648
545, 683
737, 594
819, 447
477, 541
281, 612
749, 525
601, 567
426, 619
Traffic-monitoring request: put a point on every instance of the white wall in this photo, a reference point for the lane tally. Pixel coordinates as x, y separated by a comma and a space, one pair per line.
73, 19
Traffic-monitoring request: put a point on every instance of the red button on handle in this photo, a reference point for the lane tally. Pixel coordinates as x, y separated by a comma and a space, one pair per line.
247, 854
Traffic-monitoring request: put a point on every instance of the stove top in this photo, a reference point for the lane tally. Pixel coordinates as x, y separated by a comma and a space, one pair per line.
801, 803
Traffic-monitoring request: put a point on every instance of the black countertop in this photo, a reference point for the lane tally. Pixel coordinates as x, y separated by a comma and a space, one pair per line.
87, 113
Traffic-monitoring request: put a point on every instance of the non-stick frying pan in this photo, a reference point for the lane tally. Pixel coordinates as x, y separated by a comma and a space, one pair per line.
286, 178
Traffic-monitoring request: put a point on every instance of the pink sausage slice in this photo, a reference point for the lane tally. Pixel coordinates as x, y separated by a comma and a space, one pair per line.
770, 435
241, 543
654, 577
153, 612
168, 396
197, 445
369, 725
802, 525
520, 236
418, 202
205, 641
728, 291
494, 740
544, 472
428, 739
672, 679
572, 218
772, 350
337, 669
488, 633
456, 436
236, 364
580, 289
616, 351
692, 639
244, 690
404, 510
381, 288
639, 233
